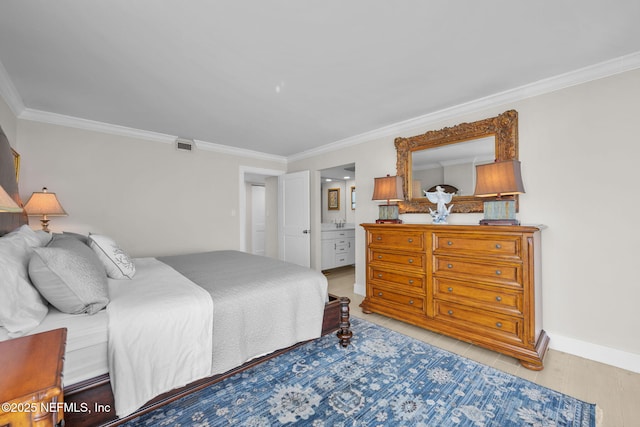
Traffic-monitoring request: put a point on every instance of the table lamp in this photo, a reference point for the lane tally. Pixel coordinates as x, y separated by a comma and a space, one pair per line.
499, 179
389, 189
45, 204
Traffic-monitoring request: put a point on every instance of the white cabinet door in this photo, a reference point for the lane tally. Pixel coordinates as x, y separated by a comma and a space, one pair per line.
351, 250
328, 254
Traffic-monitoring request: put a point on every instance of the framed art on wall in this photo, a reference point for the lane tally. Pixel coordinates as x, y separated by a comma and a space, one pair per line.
16, 162
333, 199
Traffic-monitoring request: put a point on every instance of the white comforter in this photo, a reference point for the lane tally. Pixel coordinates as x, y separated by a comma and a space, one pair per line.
187, 317
159, 334
260, 304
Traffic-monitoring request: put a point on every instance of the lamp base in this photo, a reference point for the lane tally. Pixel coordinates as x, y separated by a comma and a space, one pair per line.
388, 212
45, 225
388, 221
500, 212
499, 222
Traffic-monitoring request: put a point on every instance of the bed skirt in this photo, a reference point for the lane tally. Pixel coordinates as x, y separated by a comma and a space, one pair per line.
92, 404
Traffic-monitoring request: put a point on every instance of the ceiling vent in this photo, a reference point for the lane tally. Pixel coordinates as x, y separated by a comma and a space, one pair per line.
183, 144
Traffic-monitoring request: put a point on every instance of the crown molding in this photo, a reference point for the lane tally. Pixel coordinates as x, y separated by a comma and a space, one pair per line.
227, 149
583, 75
9, 93
95, 126
92, 125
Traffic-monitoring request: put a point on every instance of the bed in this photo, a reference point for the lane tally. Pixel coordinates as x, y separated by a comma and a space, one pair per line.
195, 318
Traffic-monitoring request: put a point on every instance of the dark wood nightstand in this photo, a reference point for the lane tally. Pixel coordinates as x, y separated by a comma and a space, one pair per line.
31, 380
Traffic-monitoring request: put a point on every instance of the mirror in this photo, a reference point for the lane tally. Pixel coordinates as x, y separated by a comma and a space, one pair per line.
451, 153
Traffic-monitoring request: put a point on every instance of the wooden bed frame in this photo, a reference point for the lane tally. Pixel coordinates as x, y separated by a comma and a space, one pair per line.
95, 393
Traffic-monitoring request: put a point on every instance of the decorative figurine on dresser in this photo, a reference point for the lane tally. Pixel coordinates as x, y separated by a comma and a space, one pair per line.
439, 197
480, 284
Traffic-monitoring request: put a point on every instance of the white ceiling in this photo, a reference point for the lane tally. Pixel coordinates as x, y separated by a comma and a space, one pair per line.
287, 76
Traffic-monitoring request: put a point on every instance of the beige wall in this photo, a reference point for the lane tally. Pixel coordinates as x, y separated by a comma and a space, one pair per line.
152, 199
578, 148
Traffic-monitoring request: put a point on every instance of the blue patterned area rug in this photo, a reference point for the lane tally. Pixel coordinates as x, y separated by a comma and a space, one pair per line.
382, 379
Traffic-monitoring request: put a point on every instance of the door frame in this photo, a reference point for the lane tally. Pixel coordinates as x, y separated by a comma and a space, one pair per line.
242, 208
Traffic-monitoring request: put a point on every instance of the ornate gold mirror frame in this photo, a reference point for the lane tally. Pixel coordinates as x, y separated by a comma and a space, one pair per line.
503, 127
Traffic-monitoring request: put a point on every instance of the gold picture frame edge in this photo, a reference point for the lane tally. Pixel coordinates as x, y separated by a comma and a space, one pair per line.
16, 163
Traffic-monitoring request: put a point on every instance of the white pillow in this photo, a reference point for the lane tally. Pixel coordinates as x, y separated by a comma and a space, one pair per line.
117, 263
21, 306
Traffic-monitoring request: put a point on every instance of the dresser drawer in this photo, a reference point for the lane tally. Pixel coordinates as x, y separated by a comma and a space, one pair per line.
460, 267
398, 259
494, 245
484, 322
400, 279
407, 240
485, 297
405, 301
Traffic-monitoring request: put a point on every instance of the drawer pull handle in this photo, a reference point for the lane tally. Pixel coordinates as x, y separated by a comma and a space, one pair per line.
498, 246
450, 312
410, 240
410, 261
449, 243
411, 301
379, 275
379, 294
379, 256
449, 265
498, 298
450, 289
499, 324
379, 238
411, 281
498, 272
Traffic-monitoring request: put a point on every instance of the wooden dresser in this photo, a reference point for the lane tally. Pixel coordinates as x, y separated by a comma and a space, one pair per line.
480, 284
31, 380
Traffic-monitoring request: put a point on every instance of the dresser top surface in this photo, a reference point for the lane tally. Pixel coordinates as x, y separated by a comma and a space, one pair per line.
458, 227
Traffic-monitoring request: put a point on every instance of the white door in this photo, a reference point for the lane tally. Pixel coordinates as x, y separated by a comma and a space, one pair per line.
294, 219
257, 219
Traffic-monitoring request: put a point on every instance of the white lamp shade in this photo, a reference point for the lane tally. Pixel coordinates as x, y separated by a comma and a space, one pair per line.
7, 204
388, 188
44, 203
499, 179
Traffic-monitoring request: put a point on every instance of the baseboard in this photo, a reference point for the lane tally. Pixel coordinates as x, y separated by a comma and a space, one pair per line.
610, 356
360, 289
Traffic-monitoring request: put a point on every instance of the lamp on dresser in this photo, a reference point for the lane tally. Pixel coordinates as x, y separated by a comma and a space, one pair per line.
499, 179
45, 204
7, 204
388, 189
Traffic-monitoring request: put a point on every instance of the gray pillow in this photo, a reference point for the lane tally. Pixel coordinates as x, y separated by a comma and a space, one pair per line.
70, 276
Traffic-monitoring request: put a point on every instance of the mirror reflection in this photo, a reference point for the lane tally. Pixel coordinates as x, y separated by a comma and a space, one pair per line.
452, 167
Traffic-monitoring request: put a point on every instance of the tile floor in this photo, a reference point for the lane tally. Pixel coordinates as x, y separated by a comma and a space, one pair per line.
615, 391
